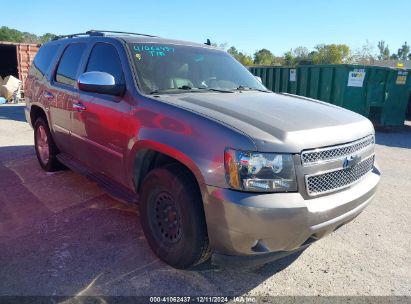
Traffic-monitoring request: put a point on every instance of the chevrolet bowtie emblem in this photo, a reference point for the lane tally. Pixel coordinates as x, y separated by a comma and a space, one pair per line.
351, 161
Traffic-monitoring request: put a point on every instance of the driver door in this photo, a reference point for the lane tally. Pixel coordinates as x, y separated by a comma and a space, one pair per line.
100, 119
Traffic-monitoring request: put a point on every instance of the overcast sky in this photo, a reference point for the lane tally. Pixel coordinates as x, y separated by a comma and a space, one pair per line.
248, 25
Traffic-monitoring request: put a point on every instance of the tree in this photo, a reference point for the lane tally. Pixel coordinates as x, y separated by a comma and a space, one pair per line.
277, 60
330, 54
29, 38
46, 37
241, 57
302, 55
289, 59
263, 57
365, 54
12, 35
233, 51
245, 59
301, 52
403, 51
384, 51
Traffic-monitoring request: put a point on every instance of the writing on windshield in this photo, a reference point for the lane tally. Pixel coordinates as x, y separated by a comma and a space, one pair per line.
152, 50
172, 68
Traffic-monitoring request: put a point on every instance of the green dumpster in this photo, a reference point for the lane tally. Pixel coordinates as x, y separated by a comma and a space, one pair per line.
378, 93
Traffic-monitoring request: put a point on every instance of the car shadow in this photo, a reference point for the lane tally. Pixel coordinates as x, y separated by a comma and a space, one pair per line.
8, 153
12, 112
399, 137
61, 235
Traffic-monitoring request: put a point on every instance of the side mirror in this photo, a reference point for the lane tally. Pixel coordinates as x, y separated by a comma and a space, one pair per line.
259, 79
99, 82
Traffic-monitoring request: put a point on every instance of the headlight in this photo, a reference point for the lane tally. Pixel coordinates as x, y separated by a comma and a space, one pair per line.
254, 171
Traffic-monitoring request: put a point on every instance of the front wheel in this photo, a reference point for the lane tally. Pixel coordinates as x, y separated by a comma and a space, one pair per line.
46, 149
172, 217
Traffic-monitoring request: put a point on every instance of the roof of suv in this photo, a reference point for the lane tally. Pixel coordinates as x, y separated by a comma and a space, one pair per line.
142, 39
129, 38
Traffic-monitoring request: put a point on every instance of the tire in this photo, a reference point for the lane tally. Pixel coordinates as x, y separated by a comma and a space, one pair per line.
172, 217
46, 149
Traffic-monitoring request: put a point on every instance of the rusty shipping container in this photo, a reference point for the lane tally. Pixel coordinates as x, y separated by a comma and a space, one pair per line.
16, 58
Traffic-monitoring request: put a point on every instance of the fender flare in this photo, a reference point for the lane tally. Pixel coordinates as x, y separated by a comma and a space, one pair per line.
139, 146
45, 111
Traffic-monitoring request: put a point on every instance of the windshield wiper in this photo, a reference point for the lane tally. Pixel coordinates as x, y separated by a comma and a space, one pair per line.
168, 90
187, 88
243, 88
217, 90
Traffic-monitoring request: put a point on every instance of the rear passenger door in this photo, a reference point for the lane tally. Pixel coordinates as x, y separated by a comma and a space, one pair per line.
63, 94
101, 122
36, 82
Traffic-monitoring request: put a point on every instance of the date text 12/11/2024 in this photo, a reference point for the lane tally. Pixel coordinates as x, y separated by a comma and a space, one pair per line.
202, 299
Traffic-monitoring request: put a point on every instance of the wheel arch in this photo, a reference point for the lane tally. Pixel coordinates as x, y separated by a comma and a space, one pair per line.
37, 111
147, 154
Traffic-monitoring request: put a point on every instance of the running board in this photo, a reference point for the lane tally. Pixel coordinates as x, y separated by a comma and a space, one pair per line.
112, 188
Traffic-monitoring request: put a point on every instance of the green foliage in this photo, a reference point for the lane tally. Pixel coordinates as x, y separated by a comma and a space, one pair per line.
241, 57
245, 59
330, 54
289, 59
263, 57
384, 51
8, 34
322, 53
46, 37
403, 51
300, 55
13, 35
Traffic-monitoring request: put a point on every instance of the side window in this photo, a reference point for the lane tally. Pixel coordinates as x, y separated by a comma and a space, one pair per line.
67, 68
104, 58
44, 58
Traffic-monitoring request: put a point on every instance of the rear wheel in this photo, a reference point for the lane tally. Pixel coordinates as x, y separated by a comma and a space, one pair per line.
172, 216
46, 149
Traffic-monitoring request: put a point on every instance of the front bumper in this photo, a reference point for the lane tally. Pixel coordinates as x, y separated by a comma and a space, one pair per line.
249, 224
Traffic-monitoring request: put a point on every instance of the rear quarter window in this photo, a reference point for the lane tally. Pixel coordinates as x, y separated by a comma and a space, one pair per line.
69, 63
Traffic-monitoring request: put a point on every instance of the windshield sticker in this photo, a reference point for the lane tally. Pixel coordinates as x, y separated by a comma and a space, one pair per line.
153, 50
138, 56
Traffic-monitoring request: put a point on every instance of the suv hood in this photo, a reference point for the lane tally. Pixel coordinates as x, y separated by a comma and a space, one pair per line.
278, 122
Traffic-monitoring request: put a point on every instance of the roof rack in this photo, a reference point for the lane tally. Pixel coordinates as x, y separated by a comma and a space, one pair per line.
99, 33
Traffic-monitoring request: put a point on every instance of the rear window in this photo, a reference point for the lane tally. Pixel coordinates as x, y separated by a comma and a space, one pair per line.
68, 65
45, 57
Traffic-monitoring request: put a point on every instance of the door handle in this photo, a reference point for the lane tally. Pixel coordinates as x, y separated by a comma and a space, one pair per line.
79, 107
48, 95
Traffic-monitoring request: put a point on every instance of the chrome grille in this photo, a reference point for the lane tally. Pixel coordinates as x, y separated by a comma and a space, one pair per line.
311, 157
337, 179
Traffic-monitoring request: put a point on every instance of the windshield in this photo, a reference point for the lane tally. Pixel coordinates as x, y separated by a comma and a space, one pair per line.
169, 68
